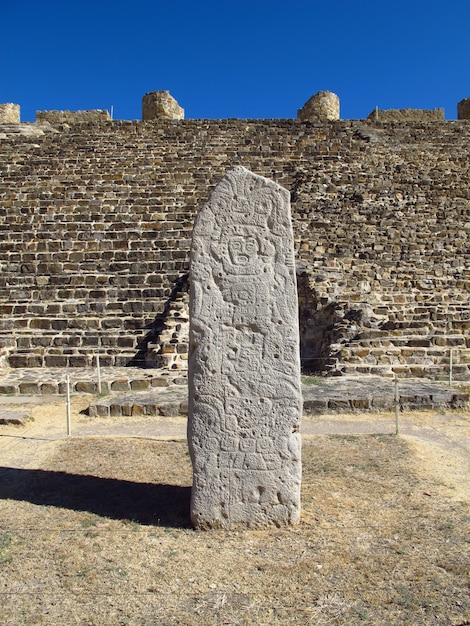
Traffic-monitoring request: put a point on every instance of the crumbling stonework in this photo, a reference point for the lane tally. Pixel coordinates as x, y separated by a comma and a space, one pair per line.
9, 113
463, 109
160, 105
324, 105
244, 376
406, 115
72, 117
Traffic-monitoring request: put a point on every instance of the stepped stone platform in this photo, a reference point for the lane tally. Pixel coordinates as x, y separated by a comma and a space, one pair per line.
130, 391
52, 380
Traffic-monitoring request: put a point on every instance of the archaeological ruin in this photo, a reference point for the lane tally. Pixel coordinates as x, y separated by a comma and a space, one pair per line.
96, 217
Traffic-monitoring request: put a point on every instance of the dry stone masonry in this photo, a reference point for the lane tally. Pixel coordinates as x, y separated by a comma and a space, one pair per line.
96, 219
406, 115
324, 105
72, 117
160, 105
9, 113
463, 109
244, 377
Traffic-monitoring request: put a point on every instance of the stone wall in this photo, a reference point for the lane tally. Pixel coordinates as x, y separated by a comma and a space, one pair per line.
406, 115
463, 109
72, 117
96, 221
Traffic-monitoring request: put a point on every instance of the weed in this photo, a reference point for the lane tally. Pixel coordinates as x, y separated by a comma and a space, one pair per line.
88, 522
312, 380
404, 597
5, 543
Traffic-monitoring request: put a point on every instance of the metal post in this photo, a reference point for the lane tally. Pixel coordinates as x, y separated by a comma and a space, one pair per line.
397, 406
450, 366
98, 370
69, 427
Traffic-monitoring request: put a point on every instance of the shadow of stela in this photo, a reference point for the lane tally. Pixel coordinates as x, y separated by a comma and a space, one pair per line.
144, 503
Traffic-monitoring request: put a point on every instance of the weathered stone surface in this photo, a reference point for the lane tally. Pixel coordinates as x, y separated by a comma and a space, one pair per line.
160, 105
244, 367
406, 115
9, 113
72, 117
463, 109
96, 246
324, 105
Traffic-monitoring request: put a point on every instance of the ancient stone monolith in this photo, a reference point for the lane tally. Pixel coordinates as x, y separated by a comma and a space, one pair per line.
245, 400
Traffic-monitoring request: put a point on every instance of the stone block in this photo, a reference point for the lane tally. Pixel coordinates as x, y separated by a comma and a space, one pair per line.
140, 384
101, 410
115, 410
337, 404
6, 389
29, 388
120, 385
48, 389
86, 386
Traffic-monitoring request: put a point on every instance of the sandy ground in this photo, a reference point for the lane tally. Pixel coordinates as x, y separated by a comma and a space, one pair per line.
441, 439
94, 528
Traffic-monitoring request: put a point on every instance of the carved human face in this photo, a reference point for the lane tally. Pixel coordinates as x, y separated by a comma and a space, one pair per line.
242, 250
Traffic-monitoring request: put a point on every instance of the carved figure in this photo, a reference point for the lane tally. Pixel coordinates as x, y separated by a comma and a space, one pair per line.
244, 366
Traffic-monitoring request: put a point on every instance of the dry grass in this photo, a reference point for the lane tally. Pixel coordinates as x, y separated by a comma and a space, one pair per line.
99, 535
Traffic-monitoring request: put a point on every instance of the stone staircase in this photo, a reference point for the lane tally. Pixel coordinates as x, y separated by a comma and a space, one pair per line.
134, 392
427, 341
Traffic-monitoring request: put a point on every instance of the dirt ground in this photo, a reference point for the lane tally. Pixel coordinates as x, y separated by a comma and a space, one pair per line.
94, 528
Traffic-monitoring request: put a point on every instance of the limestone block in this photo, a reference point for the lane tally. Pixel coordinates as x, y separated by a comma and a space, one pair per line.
245, 399
160, 105
9, 113
324, 105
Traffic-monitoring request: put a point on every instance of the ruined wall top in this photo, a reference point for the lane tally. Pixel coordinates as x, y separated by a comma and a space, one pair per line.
406, 115
160, 105
463, 109
9, 113
71, 117
324, 106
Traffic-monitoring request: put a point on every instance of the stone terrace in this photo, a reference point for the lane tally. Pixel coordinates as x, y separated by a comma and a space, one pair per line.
96, 218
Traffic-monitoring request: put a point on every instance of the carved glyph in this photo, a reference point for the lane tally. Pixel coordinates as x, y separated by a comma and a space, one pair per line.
244, 367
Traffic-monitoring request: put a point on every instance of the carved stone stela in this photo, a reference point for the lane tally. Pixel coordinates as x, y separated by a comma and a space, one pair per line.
245, 400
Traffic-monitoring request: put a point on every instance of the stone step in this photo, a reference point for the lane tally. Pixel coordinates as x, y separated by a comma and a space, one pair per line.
51, 381
414, 340
441, 354
460, 372
70, 358
326, 395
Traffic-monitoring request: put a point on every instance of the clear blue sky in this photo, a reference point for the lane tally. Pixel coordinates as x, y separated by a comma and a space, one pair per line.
245, 59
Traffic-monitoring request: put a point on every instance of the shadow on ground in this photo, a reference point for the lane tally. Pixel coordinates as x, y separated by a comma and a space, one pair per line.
144, 503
